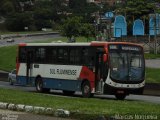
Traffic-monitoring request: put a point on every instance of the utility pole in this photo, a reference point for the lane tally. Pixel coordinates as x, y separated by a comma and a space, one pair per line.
155, 34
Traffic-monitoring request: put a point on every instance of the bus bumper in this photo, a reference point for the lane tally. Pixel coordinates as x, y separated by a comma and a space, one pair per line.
113, 90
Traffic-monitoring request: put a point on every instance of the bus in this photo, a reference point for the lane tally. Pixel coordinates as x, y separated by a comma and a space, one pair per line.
114, 68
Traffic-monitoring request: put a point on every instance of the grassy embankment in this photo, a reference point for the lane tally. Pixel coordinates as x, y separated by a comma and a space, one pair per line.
8, 59
151, 56
84, 108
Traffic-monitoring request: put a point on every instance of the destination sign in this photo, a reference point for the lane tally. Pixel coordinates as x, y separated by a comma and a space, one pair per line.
125, 47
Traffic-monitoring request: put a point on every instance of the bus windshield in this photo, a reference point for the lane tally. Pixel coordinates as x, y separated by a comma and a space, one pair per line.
127, 66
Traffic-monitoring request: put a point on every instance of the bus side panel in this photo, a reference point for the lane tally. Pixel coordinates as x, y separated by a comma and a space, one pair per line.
87, 74
67, 72
21, 74
21, 80
61, 84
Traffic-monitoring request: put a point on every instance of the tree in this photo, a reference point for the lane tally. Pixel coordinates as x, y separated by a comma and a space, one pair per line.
59, 10
71, 27
137, 9
18, 21
78, 6
87, 30
6, 7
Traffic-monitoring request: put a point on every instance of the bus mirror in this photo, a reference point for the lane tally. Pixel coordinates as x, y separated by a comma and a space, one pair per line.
105, 58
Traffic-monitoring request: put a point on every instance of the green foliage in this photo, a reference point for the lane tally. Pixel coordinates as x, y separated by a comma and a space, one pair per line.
87, 30
78, 6
6, 8
71, 27
42, 19
45, 12
17, 21
137, 9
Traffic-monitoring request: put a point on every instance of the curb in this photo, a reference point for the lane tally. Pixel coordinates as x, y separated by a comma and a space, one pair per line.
35, 109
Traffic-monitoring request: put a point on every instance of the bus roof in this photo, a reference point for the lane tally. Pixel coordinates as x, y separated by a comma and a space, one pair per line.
93, 43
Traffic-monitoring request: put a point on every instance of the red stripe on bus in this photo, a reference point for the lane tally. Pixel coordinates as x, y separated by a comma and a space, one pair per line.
22, 44
87, 74
17, 68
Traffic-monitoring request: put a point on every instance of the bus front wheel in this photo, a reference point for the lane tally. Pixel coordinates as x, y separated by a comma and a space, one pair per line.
86, 89
39, 86
120, 96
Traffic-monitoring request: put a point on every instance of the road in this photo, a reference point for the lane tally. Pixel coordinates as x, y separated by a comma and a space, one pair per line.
152, 99
153, 63
13, 115
28, 39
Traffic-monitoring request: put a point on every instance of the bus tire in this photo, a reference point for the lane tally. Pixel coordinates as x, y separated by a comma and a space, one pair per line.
120, 96
68, 93
39, 86
86, 90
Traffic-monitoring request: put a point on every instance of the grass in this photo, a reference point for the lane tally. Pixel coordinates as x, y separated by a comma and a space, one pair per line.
152, 75
8, 58
151, 56
86, 107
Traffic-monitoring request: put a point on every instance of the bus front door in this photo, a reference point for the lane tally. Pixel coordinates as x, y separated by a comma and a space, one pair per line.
29, 67
98, 73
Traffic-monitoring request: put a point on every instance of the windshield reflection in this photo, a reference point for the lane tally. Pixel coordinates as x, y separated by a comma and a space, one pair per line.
126, 66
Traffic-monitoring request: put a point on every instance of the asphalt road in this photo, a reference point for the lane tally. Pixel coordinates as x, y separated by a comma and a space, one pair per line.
152, 99
28, 39
153, 63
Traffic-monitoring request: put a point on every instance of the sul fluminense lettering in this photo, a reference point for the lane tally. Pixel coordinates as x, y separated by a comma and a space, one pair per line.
63, 71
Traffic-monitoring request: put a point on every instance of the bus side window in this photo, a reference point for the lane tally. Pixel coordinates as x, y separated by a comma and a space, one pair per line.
88, 57
62, 56
84, 56
51, 55
75, 56
54, 56
71, 58
40, 55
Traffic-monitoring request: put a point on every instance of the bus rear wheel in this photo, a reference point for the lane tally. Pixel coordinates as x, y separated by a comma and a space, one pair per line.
86, 90
120, 96
39, 86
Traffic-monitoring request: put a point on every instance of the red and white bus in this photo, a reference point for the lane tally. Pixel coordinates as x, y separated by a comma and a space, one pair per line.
116, 68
